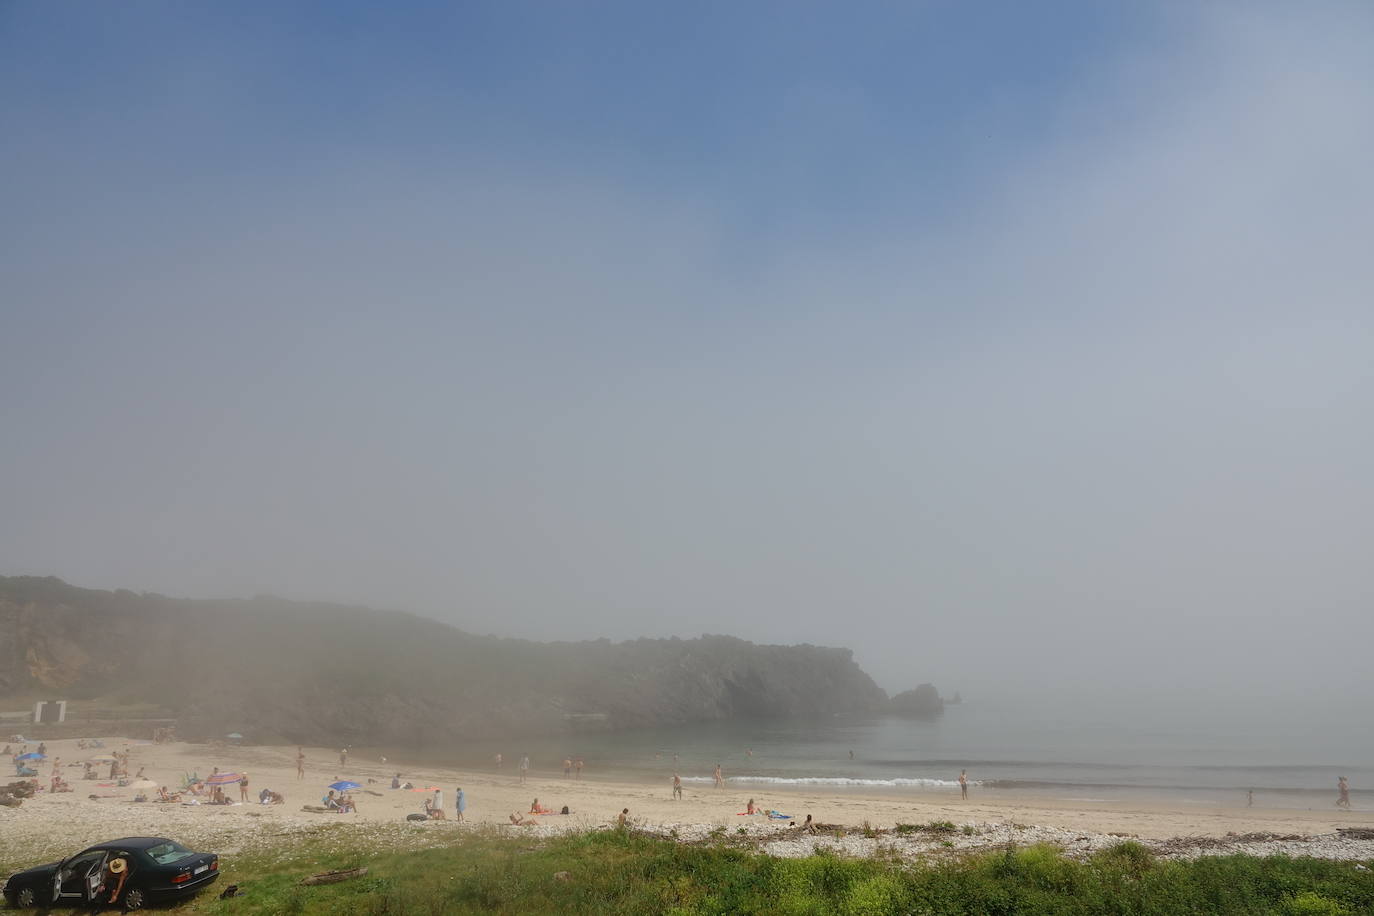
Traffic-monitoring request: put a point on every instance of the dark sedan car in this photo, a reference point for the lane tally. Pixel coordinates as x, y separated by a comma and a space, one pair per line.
135, 870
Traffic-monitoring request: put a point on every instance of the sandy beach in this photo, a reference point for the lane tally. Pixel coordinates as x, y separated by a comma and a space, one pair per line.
47, 826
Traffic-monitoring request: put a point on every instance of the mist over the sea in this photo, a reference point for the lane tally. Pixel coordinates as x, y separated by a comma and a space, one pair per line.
1054, 391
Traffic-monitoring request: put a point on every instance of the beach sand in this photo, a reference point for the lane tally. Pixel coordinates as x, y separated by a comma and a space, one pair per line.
48, 826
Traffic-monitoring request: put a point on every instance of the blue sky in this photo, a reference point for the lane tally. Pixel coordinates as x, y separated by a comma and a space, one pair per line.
872, 325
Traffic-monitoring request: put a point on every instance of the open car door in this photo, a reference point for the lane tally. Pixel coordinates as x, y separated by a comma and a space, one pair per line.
78, 879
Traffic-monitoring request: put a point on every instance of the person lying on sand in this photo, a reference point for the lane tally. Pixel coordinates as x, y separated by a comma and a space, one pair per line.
519, 821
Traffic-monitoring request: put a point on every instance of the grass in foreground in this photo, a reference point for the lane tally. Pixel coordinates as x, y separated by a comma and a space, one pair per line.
615, 872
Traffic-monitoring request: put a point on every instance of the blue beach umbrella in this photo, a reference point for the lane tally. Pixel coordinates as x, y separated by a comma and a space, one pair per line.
344, 785
33, 755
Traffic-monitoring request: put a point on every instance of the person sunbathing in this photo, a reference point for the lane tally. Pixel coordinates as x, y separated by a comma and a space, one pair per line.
164, 796
519, 821
537, 808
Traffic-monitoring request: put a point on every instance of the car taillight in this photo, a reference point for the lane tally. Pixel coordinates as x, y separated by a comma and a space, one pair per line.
214, 865
180, 878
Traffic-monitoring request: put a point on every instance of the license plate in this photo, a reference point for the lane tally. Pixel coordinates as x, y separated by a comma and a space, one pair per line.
200, 869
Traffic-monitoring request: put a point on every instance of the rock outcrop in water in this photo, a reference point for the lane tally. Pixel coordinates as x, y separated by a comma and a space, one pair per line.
924, 702
323, 673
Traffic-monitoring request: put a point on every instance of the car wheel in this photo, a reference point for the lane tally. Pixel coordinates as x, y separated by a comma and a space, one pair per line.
26, 898
134, 899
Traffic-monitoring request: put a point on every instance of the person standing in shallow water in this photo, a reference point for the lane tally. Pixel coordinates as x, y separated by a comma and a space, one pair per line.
677, 787
524, 768
1343, 787
300, 763
963, 784
720, 778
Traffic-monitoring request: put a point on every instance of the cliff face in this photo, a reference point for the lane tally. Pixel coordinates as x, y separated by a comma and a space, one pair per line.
320, 673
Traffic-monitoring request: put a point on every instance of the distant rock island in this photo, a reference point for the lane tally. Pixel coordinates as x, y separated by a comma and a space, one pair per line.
323, 673
924, 702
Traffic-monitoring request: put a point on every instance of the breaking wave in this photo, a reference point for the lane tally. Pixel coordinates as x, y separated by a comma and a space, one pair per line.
832, 781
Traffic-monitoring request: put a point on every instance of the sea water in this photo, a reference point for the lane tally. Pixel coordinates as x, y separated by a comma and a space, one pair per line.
1055, 753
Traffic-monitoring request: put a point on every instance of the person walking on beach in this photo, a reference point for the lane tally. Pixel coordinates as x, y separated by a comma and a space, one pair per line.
524, 768
577, 768
300, 763
720, 778
461, 803
567, 767
343, 758
677, 787
498, 760
1343, 787
963, 784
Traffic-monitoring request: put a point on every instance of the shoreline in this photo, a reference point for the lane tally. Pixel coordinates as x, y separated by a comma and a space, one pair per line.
58, 825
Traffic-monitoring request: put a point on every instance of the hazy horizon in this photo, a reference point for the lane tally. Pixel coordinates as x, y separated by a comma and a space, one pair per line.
1028, 352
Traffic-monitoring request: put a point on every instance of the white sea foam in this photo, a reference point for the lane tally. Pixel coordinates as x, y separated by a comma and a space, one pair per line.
832, 781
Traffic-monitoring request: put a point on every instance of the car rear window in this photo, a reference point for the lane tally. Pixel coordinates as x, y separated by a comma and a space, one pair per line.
167, 853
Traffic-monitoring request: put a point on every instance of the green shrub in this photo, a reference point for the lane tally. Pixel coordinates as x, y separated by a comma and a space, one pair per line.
1045, 867
1127, 856
1309, 903
876, 896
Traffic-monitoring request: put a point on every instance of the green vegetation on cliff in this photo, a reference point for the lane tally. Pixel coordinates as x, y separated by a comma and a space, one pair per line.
321, 672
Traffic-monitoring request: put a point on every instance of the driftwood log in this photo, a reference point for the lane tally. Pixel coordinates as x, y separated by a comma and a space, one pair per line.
21, 789
9, 801
333, 877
